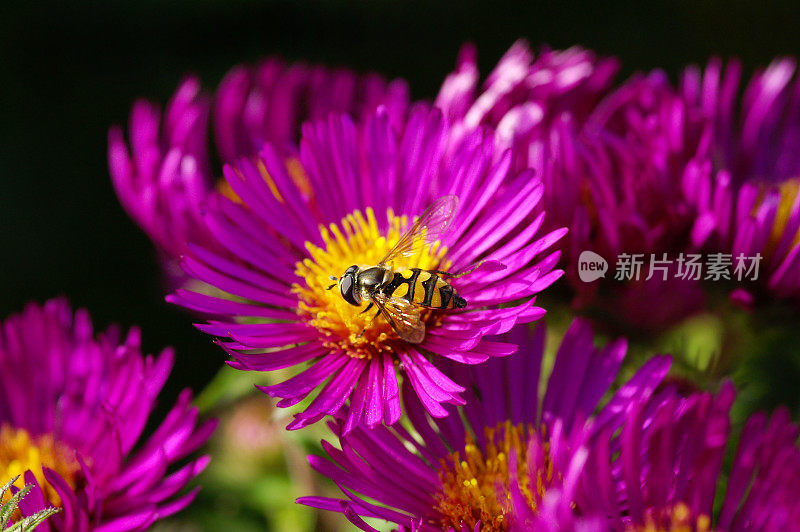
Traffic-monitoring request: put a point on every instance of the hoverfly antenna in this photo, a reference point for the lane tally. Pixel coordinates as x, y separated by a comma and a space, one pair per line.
332, 278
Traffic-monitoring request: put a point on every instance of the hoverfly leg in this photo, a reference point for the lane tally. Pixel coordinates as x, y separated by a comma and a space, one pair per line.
371, 304
370, 322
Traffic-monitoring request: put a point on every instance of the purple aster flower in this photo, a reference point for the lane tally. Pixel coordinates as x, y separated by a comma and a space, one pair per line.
524, 95
663, 470
639, 140
531, 102
361, 188
611, 159
268, 103
624, 167
509, 461
746, 189
164, 176
72, 410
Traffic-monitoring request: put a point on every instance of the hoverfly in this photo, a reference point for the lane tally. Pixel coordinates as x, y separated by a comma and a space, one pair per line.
399, 295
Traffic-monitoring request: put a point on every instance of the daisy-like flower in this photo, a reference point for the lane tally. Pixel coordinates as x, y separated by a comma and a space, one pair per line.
746, 189
164, 177
524, 94
536, 104
72, 410
625, 167
269, 103
509, 462
611, 159
637, 143
359, 194
532, 102
663, 470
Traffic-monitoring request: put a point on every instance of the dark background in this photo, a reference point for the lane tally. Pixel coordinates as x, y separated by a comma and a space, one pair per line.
68, 70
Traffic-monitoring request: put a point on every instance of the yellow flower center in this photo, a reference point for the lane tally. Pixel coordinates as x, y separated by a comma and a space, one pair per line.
357, 240
676, 519
476, 485
788, 190
20, 452
788, 194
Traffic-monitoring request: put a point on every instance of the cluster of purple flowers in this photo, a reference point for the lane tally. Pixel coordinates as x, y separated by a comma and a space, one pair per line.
649, 167
649, 458
324, 169
73, 409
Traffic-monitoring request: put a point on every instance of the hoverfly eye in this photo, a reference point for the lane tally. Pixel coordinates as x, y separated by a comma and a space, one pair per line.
348, 290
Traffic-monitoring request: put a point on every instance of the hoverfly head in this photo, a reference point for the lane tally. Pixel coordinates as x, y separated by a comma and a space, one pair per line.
349, 286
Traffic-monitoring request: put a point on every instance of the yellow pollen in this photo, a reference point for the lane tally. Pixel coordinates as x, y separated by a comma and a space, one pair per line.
788, 195
675, 519
356, 240
293, 167
224, 189
20, 452
299, 177
475, 487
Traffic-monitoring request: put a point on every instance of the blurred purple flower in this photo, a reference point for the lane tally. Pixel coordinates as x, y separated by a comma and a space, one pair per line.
284, 236
165, 177
508, 462
610, 158
663, 470
524, 95
72, 411
746, 189
534, 104
269, 103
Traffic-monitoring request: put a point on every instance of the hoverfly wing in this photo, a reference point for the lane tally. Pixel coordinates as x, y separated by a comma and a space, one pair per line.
426, 230
404, 317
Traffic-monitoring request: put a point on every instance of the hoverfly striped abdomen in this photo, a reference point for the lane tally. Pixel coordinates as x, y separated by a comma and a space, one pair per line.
424, 288
398, 296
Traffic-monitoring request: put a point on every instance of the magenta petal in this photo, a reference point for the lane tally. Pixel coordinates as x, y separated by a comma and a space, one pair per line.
96, 395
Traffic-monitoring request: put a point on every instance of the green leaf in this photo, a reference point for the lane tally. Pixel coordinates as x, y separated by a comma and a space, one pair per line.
7, 487
8, 509
31, 522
